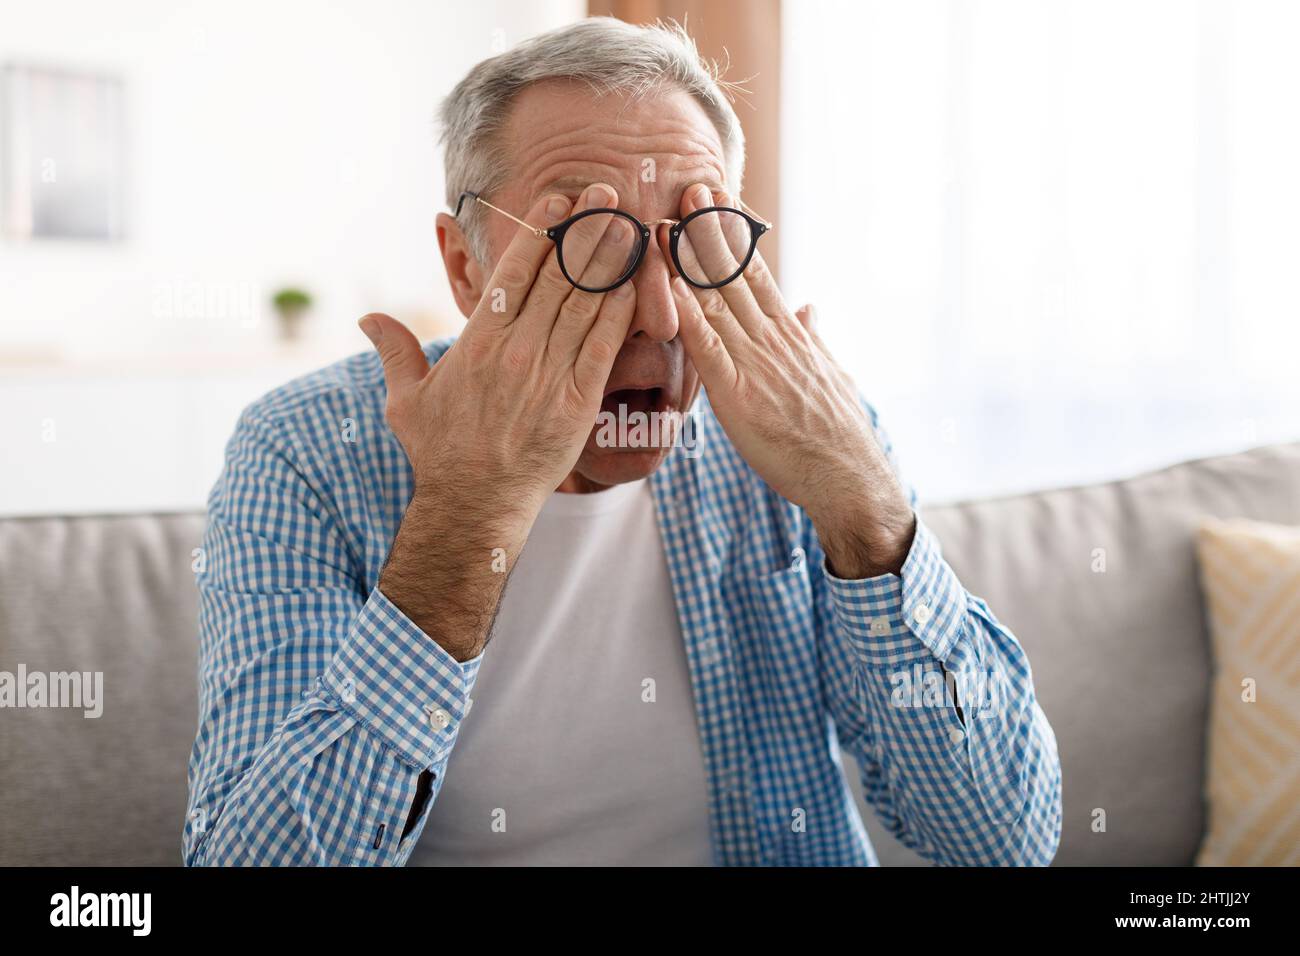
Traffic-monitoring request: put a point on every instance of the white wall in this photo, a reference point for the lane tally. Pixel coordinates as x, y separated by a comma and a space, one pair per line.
269, 143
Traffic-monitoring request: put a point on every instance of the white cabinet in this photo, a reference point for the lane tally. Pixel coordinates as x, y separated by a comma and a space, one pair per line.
146, 436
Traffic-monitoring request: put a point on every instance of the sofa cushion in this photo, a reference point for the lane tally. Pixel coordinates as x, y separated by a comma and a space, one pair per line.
1250, 572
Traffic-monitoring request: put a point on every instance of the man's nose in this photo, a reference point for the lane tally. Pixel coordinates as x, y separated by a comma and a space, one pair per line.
656, 313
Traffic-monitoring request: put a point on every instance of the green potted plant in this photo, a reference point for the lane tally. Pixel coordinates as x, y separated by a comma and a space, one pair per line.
291, 306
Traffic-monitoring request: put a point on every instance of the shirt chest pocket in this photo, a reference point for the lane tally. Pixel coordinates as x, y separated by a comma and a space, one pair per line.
781, 627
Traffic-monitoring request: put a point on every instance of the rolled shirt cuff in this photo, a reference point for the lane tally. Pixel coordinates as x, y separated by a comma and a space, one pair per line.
399, 683
896, 619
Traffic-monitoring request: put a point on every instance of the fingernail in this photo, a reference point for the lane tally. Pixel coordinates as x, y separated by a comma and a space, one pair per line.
702, 196
371, 328
623, 291
680, 287
557, 208
597, 196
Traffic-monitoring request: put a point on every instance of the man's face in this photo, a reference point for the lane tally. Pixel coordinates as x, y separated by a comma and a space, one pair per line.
561, 139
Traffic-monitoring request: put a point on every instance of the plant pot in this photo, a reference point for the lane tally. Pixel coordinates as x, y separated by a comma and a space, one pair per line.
291, 323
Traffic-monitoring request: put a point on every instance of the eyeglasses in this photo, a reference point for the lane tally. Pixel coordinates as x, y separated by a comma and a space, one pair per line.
599, 249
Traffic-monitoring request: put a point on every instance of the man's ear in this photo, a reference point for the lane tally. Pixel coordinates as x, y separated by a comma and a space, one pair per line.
464, 272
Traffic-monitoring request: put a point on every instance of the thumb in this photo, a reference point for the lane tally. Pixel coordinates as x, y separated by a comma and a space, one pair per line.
399, 350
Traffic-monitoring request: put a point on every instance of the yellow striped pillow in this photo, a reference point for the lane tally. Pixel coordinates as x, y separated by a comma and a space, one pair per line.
1250, 574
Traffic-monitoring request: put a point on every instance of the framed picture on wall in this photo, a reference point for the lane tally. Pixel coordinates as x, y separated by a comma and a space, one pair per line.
62, 153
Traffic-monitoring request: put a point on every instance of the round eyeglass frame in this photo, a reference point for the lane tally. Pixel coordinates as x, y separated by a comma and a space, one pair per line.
557, 232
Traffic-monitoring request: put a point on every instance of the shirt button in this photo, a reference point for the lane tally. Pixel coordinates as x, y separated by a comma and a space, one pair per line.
956, 736
878, 626
439, 719
797, 557
921, 613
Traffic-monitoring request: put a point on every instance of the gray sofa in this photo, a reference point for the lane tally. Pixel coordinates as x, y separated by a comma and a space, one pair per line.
1120, 657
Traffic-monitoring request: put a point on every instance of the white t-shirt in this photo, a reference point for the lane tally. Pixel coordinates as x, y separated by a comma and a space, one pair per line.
570, 755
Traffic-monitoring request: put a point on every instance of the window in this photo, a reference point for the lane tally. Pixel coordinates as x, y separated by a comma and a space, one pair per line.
1053, 241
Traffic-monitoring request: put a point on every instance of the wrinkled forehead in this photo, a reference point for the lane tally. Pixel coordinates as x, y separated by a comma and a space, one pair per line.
561, 137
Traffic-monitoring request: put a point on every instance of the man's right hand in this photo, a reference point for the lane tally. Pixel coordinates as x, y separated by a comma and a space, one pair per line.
509, 407
497, 424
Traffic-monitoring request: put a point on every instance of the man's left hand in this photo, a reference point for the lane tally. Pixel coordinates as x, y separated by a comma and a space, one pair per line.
794, 413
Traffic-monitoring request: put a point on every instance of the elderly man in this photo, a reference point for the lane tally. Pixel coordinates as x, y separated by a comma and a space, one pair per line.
666, 635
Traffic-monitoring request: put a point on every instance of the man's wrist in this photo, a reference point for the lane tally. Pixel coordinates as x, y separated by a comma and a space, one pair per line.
863, 544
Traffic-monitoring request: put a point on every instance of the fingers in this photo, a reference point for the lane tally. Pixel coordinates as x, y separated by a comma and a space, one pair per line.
714, 309
762, 286
807, 317
609, 260
596, 357
551, 289
704, 344
508, 288
601, 248
704, 243
399, 350
709, 252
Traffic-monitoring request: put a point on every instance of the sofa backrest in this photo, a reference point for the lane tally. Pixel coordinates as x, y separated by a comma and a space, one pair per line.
1120, 659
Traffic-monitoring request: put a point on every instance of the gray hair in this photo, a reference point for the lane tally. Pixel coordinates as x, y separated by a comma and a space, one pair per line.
610, 56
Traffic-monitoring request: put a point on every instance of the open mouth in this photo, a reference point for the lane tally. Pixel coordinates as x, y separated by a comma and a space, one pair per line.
644, 400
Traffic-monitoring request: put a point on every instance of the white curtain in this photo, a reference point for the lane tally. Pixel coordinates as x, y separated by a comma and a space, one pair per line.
1055, 242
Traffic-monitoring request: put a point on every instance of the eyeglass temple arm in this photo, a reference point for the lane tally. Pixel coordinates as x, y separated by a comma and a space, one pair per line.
754, 212
539, 233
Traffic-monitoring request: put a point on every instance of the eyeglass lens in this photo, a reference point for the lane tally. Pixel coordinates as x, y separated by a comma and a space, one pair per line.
714, 246
599, 249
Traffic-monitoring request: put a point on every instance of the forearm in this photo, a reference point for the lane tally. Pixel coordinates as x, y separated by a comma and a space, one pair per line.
323, 705
982, 787
282, 811
980, 791
448, 567
333, 776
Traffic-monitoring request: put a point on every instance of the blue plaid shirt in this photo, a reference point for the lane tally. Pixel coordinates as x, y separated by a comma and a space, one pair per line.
321, 703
